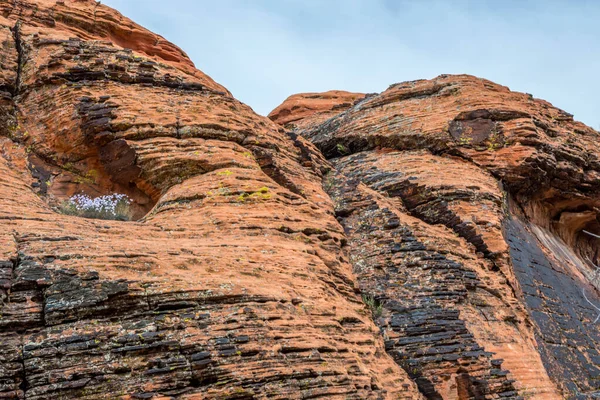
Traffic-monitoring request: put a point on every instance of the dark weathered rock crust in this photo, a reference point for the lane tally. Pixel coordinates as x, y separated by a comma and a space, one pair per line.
497, 296
428, 243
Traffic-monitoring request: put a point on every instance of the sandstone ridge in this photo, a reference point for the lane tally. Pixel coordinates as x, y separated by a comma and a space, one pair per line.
497, 184
422, 243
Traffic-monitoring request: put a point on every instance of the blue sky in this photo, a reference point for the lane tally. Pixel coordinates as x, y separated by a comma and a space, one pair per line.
265, 50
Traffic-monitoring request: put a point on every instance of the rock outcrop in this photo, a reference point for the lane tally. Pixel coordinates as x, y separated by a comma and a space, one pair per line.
425, 242
465, 206
233, 285
304, 110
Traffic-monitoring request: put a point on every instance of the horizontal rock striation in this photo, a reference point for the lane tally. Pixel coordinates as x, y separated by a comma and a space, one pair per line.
504, 185
426, 242
418, 294
311, 109
230, 284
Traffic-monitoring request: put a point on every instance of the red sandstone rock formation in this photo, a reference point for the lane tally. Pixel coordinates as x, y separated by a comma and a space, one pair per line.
427, 244
310, 109
235, 285
464, 205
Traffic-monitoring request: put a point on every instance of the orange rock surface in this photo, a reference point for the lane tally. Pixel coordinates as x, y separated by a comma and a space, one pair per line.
306, 109
425, 242
462, 198
234, 285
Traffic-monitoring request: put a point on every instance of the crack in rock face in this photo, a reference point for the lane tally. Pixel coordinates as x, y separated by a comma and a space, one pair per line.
231, 283
506, 193
426, 242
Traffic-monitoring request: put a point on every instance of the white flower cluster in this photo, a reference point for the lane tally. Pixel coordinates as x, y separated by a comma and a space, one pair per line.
106, 203
112, 206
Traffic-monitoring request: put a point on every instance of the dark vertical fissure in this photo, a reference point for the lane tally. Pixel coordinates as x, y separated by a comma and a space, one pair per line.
16, 261
16, 30
23, 385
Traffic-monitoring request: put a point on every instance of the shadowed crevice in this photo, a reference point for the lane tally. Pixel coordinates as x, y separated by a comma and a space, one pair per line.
16, 30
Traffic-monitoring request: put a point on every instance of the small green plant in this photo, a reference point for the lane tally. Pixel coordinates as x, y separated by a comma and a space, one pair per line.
374, 305
465, 140
114, 207
342, 149
261, 193
89, 178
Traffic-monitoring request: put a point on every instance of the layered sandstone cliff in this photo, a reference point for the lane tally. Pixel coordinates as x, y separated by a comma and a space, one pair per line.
428, 243
465, 206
